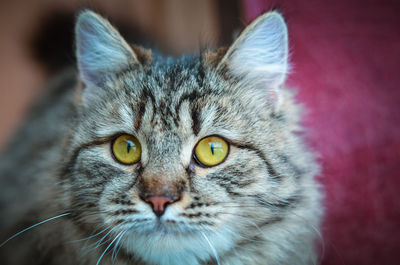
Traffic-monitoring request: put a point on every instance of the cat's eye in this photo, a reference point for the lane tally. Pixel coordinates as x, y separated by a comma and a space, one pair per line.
126, 149
211, 151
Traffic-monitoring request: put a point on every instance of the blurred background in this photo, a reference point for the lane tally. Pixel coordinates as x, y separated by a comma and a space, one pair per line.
345, 56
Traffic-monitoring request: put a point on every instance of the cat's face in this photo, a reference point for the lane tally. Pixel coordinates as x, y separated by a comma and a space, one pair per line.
203, 136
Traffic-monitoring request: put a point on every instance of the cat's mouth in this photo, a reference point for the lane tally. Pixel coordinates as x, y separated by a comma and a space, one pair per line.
162, 226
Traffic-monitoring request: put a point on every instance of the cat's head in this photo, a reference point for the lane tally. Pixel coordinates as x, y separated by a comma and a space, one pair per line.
178, 158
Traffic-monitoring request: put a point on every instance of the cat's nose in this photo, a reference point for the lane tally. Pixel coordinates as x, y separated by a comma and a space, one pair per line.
159, 203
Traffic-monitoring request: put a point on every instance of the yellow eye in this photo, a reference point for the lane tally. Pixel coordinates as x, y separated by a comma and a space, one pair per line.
211, 151
126, 149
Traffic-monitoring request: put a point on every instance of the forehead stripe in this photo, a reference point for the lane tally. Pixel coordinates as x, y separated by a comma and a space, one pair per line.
140, 114
195, 120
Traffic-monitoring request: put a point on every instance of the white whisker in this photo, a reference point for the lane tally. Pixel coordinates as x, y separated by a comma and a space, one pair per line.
212, 247
117, 248
98, 262
92, 236
33, 226
100, 242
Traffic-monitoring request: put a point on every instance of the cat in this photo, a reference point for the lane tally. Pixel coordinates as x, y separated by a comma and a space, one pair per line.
140, 159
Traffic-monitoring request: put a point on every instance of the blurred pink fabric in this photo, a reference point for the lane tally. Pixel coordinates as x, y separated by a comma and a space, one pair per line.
346, 69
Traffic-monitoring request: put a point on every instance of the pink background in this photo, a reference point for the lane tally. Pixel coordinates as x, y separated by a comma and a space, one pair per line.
346, 58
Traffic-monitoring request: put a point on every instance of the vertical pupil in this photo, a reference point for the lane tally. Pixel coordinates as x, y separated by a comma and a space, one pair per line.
128, 146
212, 148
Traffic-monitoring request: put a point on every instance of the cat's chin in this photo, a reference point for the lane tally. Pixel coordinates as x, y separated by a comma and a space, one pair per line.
167, 245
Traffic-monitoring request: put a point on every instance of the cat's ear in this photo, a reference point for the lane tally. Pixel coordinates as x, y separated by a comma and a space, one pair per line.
259, 57
100, 49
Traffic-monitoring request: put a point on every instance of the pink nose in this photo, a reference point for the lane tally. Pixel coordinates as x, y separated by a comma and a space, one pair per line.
159, 204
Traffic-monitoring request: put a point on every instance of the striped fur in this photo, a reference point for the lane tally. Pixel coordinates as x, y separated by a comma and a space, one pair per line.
260, 206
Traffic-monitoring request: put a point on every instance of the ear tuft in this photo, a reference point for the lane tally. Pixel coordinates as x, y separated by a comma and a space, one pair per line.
100, 49
259, 57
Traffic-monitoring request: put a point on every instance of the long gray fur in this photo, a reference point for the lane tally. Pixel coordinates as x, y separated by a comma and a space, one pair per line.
260, 206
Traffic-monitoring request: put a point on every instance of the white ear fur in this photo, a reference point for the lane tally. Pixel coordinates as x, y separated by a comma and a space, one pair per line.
259, 57
100, 49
